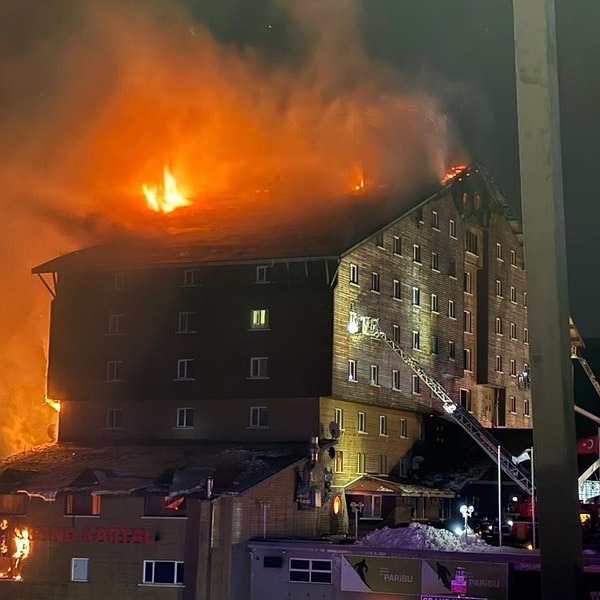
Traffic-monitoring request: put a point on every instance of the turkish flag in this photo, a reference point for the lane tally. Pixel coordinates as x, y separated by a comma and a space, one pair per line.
588, 445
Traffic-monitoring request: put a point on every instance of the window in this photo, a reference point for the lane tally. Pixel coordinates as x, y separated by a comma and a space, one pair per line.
467, 359
512, 402
435, 307
513, 368
403, 467
465, 399
468, 325
452, 228
513, 294
416, 384
379, 240
435, 219
259, 318
310, 570
451, 350
79, 569
499, 251
185, 369
498, 288
513, 258
451, 309
526, 335
163, 506
403, 428
339, 461
374, 376
191, 277
468, 283
419, 214
383, 425
119, 281
498, 364
382, 465
185, 322
498, 326
361, 424
82, 505
185, 417
525, 299
163, 572
338, 417
526, 407
114, 418
396, 333
397, 294
471, 243
354, 274
114, 369
435, 261
395, 379
397, 245
263, 274
361, 462
259, 367
416, 253
434, 341
375, 281
416, 296
352, 375
116, 324
416, 340
513, 331
452, 268
259, 416
13, 504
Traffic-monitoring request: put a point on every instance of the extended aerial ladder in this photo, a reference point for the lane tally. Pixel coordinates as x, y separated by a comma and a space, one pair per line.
369, 326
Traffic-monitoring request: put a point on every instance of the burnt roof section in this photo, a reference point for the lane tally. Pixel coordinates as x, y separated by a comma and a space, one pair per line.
265, 233
169, 470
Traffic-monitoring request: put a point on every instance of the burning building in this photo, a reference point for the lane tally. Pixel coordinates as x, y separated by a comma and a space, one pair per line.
211, 389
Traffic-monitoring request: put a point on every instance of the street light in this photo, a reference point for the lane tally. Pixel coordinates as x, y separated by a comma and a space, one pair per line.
466, 512
356, 509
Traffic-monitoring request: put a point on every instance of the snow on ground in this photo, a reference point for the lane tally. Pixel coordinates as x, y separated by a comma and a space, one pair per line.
425, 537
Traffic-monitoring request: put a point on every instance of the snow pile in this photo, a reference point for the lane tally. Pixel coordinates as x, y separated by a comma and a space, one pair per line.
425, 537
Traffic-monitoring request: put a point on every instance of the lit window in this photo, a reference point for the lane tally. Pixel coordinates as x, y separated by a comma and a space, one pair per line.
114, 370
416, 296
498, 288
403, 428
513, 331
361, 461
259, 318
435, 220
468, 283
452, 228
465, 399
263, 274
416, 340
116, 324
82, 504
191, 277
163, 572
379, 240
435, 303
259, 367
361, 423
13, 504
185, 417
498, 364
397, 245
513, 404
354, 274
79, 569
435, 261
416, 384
163, 506
352, 374
434, 344
338, 417
468, 325
416, 253
499, 326
513, 294
185, 322
451, 350
374, 281
383, 425
185, 369
451, 309
499, 251
309, 570
119, 281
339, 461
467, 359
397, 290
395, 379
374, 378
114, 418
513, 258
259, 416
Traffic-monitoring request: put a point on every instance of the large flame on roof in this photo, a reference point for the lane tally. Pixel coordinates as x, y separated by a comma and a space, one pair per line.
452, 173
165, 198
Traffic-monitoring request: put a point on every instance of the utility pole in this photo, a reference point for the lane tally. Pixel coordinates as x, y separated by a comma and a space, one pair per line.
554, 441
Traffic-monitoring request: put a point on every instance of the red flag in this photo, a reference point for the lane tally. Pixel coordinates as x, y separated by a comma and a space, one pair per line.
588, 445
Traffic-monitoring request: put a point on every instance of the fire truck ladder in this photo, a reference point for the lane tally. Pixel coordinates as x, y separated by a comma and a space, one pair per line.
369, 326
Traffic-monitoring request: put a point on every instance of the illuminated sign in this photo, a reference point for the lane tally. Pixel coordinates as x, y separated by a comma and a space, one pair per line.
99, 535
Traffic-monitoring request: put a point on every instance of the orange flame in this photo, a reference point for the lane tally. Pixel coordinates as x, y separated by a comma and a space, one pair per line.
164, 198
452, 173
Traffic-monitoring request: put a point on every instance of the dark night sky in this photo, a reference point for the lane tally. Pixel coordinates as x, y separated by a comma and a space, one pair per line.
462, 52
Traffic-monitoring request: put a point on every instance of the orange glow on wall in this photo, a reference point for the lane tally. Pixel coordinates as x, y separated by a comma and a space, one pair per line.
337, 505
